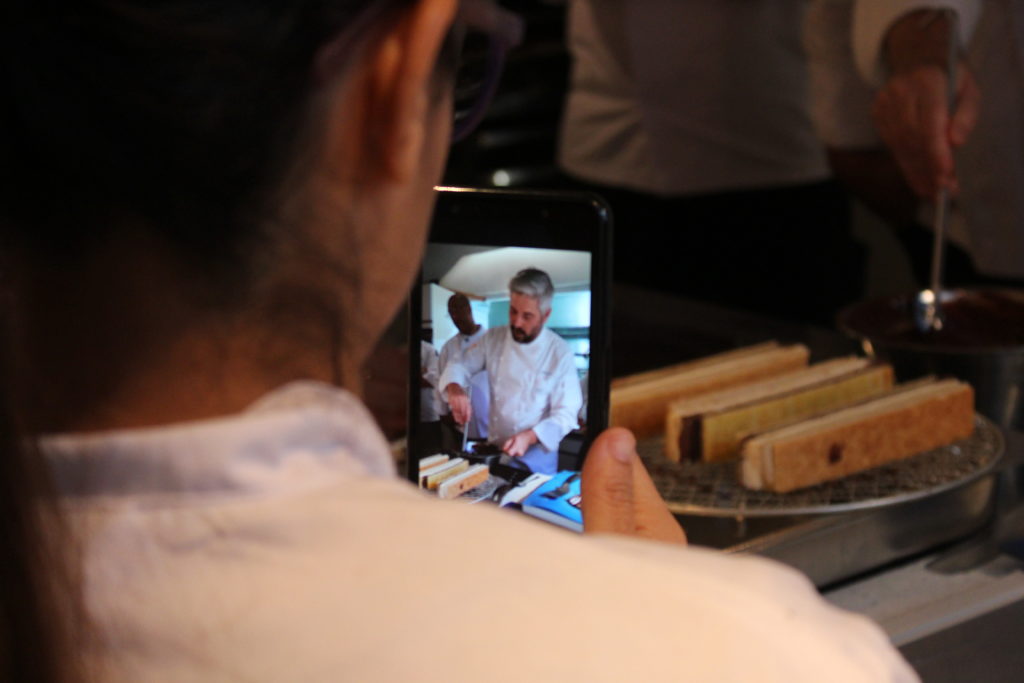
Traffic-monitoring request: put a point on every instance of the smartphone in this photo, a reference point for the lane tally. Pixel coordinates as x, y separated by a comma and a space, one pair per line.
510, 312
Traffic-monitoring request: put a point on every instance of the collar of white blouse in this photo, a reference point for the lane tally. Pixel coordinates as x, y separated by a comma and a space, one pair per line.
303, 435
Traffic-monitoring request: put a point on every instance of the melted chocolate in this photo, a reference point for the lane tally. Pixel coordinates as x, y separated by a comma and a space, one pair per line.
972, 319
690, 439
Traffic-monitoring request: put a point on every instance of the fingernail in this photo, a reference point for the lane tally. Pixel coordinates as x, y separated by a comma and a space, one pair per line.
622, 451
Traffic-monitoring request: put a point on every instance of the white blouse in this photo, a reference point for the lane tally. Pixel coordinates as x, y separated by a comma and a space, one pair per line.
277, 545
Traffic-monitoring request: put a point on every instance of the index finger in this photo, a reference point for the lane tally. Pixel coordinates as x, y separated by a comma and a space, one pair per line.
460, 409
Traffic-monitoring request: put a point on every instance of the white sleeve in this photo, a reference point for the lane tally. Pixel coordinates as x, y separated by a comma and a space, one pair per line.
462, 368
873, 18
447, 351
840, 100
565, 404
428, 363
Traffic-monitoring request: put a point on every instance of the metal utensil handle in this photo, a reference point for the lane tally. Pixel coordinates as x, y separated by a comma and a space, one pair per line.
939, 243
942, 201
465, 427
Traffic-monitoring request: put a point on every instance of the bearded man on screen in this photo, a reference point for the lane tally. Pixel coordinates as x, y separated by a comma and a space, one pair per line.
535, 393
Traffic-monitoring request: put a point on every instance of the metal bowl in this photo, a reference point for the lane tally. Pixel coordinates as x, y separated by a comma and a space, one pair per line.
982, 343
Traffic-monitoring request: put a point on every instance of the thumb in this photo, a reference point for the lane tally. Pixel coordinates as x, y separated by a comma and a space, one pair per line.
607, 484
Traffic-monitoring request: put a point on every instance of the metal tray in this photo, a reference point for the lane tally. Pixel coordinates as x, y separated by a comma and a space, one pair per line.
838, 530
712, 489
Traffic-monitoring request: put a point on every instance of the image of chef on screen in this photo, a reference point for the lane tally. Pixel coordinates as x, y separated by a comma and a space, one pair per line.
535, 393
469, 333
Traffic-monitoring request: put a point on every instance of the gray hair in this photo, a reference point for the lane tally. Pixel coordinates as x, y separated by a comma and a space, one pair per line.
536, 284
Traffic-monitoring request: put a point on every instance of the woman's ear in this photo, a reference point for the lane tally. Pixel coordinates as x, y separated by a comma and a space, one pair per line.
400, 92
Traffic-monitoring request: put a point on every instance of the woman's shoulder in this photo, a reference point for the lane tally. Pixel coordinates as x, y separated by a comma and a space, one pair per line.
374, 579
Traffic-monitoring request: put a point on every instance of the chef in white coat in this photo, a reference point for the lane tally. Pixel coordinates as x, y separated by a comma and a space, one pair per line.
691, 120
469, 332
430, 402
429, 374
534, 388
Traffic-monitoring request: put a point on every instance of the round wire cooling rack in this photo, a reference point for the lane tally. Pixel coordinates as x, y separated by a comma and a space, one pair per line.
713, 489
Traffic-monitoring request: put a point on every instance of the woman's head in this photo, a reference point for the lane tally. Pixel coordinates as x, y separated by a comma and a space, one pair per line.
190, 117
249, 147
190, 191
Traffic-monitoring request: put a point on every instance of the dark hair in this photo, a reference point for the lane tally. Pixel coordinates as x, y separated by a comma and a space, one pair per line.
40, 609
178, 117
181, 115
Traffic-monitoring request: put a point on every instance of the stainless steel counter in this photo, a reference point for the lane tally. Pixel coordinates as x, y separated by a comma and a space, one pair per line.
913, 601
986, 648
957, 612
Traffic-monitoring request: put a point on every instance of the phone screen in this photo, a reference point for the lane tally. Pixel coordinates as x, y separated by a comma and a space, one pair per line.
508, 370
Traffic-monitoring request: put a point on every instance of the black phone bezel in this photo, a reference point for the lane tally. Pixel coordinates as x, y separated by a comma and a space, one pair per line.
576, 221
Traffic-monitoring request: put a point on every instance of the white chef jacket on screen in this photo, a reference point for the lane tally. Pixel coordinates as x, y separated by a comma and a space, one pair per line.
430, 406
277, 545
533, 386
481, 398
988, 217
675, 97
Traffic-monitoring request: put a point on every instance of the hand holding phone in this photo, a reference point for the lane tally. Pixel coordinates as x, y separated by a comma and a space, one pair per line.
618, 494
